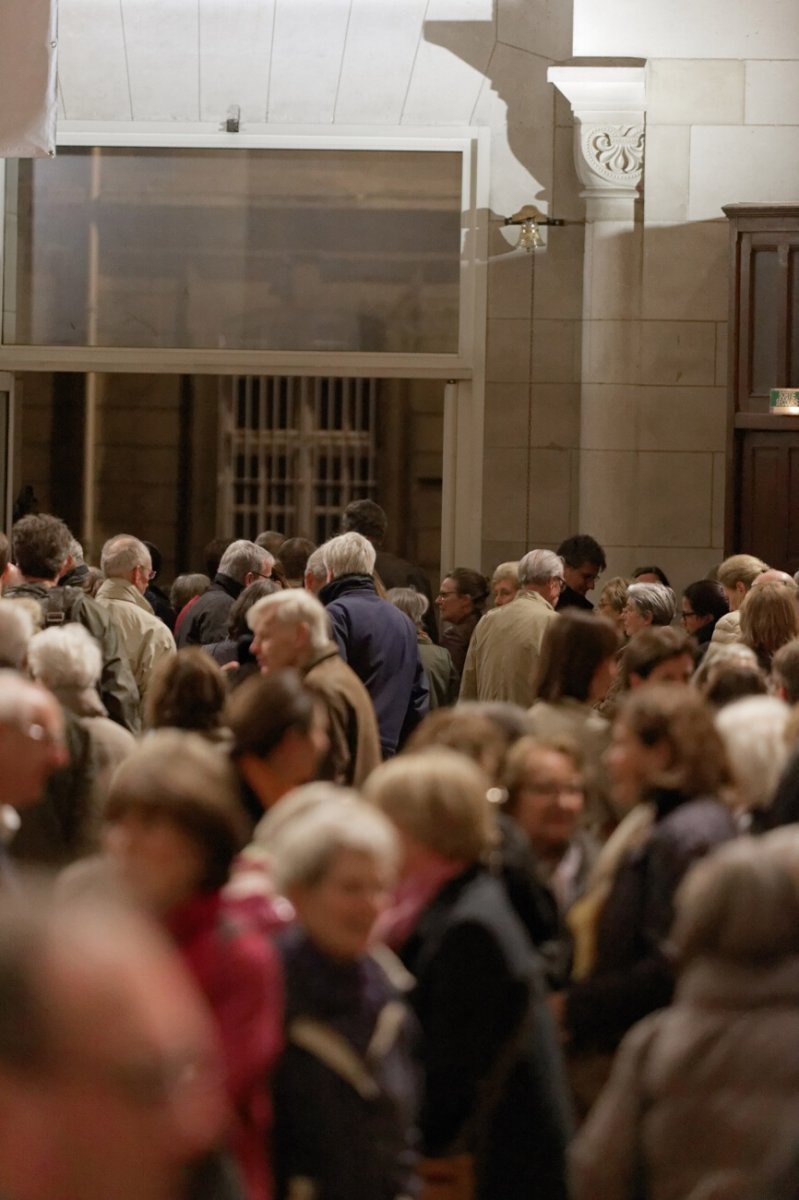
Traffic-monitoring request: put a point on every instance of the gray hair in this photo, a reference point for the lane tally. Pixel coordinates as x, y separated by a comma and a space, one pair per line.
76, 552
753, 732
293, 606
653, 600
349, 554
65, 656
409, 601
121, 554
316, 565
16, 630
306, 847
539, 566
243, 558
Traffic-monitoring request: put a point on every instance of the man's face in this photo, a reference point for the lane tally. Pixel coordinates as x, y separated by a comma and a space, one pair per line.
30, 752
581, 579
278, 644
134, 1090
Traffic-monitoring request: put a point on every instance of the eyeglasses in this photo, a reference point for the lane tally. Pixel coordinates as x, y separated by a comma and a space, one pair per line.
552, 790
560, 581
683, 615
444, 595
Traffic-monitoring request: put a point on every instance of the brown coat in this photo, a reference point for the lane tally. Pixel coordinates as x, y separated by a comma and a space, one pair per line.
702, 1093
354, 737
503, 654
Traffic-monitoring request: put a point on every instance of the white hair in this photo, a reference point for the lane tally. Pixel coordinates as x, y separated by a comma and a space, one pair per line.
753, 731
305, 847
294, 606
65, 656
16, 630
121, 554
242, 558
653, 600
349, 554
539, 566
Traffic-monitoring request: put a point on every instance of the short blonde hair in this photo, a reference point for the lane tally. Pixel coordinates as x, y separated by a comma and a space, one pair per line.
740, 568
438, 797
506, 570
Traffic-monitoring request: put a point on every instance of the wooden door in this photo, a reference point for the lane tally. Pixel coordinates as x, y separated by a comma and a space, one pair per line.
769, 496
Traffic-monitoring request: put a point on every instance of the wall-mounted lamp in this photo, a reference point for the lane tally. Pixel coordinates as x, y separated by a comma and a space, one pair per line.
528, 220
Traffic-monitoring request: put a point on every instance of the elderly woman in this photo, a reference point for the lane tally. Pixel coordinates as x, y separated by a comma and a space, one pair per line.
442, 678
505, 583
173, 827
703, 1094
612, 600
576, 668
493, 1098
669, 770
648, 604
67, 660
461, 603
345, 1088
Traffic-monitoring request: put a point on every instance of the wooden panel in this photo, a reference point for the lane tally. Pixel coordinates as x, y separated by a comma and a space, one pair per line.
769, 497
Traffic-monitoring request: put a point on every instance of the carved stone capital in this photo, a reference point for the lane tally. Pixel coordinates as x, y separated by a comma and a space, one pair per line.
608, 103
609, 157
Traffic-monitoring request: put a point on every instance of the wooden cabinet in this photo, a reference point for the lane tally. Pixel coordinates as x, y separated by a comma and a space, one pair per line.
763, 450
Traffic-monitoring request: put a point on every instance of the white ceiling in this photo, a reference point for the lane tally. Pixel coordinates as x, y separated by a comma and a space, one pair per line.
280, 61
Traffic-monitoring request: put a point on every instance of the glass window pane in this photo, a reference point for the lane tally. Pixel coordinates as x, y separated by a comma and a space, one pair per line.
337, 250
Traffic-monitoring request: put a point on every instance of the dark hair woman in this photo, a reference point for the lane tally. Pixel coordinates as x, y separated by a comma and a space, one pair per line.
187, 691
461, 603
703, 604
576, 668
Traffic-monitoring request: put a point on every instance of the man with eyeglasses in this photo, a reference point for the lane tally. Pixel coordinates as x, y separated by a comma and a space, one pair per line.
128, 569
503, 654
110, 1081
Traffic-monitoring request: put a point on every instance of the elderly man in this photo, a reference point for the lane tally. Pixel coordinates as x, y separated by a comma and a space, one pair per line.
41, 546
291, 630
126, 564
110, 1084
503, 653
241, 564
376, 639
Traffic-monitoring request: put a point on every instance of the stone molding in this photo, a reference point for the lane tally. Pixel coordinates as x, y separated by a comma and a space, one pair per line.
608, 103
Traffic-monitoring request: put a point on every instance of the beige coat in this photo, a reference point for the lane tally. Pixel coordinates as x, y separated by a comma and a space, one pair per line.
145, 639
503, 653
701, 1094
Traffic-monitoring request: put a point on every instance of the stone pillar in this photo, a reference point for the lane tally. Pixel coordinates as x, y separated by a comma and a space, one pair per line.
608, 104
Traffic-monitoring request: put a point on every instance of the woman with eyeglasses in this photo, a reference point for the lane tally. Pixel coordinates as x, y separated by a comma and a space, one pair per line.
460, 603
703, 604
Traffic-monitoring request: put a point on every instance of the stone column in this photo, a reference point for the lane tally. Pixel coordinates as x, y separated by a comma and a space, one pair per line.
608, 103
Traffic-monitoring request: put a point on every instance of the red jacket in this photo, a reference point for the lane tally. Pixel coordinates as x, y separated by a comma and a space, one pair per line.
239, 972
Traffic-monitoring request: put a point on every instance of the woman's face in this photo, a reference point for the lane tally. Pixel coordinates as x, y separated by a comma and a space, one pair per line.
451, 604
549, 800
632, 766
633, 620
504, 590
692, 621
161, 863
339, 912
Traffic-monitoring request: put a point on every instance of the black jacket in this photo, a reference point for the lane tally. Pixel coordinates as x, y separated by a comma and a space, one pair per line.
480, 1000
207, 620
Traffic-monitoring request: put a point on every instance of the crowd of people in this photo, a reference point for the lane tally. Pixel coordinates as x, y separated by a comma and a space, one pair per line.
347, 891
